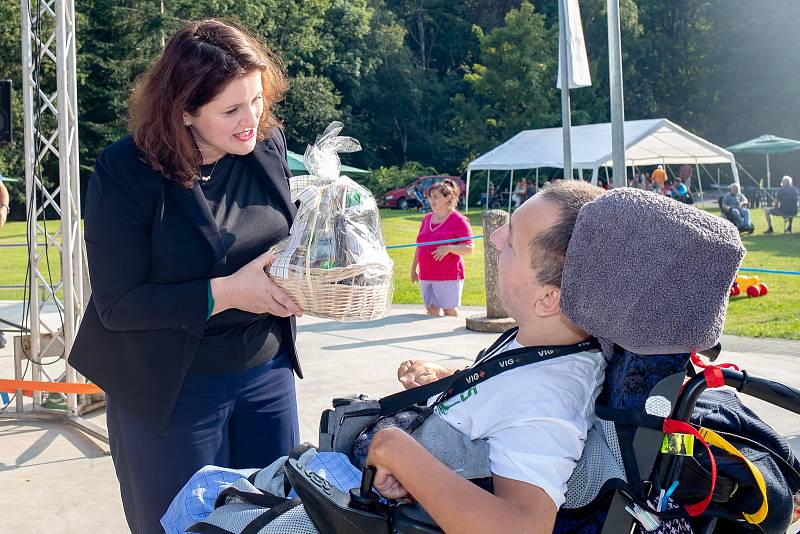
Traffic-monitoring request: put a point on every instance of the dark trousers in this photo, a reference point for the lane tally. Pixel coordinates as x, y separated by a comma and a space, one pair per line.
238, 420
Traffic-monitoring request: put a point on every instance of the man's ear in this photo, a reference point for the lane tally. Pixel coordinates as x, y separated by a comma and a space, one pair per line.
549, 302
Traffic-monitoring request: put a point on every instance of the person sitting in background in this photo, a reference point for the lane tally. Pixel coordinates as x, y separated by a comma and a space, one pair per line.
785, 204
530, 189
681, 193
518, 195
734, 206
486, 196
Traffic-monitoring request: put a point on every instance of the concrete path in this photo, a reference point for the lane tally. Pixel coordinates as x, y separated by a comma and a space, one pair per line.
55, 479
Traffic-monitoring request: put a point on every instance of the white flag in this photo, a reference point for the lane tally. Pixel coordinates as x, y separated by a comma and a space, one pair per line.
577, 61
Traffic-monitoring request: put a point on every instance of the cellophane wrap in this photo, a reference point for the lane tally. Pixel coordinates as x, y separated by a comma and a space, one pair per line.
334, 262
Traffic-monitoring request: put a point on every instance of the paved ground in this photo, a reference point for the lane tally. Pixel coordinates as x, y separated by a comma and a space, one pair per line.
55, 479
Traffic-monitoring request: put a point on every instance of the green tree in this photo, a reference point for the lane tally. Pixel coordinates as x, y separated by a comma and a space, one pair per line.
513, 88
11, 156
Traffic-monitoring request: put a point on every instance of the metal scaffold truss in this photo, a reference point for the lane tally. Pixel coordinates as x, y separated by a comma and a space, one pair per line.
54, 235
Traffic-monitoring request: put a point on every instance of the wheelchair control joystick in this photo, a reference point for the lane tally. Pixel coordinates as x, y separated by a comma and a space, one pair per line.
364, 498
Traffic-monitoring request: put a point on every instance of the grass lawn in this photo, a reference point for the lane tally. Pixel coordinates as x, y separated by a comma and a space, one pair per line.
13, 260
775, 315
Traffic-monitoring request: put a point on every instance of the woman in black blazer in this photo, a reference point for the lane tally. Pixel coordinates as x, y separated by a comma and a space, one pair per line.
191, 341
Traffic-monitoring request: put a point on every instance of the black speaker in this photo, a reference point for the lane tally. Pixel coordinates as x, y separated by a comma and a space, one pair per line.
5, 113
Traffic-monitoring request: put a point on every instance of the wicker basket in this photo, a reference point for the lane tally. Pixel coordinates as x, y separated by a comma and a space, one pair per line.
359, 292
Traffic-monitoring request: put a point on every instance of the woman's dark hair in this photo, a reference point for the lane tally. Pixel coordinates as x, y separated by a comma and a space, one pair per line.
197, 64
448, 189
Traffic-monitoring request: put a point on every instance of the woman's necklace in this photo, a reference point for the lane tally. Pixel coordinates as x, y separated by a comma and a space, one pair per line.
206, 179
438, 224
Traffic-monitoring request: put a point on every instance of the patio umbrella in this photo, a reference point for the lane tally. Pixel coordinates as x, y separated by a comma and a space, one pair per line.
766, 144
297, 167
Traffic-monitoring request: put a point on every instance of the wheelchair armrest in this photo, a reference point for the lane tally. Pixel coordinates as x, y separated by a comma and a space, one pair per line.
413, 519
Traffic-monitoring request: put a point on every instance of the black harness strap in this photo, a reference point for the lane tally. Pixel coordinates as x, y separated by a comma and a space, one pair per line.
396, 402
263, 520
489, 364
266, 500
629, 417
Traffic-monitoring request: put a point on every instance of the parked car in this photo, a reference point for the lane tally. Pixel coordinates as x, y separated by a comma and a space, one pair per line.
404, 198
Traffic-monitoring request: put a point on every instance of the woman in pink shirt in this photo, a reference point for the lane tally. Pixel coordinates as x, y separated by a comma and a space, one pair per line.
439, 268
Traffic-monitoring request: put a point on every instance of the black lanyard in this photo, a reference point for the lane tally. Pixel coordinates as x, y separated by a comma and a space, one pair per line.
488, 364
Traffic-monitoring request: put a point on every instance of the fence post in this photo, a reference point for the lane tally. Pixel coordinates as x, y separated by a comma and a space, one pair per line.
496, 319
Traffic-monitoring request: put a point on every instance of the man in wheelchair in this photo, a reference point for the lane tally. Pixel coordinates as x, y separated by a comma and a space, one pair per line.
535, 418
527, 405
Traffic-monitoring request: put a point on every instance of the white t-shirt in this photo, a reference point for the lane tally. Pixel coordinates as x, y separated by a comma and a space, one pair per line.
535, 417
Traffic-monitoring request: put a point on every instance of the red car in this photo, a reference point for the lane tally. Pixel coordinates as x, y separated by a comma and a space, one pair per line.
403, 197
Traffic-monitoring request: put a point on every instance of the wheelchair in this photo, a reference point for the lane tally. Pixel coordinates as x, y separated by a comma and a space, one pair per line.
336, 512
653, 389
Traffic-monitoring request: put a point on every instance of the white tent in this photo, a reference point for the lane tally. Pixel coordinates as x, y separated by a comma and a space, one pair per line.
647, 142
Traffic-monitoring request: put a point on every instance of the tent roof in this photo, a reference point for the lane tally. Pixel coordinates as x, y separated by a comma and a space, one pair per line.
766, 144
647, 142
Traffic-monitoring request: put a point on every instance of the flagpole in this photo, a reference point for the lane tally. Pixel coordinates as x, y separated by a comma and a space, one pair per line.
566, 121
617, 99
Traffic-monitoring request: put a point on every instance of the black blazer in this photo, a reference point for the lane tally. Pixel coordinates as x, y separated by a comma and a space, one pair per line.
152, 245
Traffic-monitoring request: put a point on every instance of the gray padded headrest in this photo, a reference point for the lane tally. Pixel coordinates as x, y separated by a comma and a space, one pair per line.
650, 274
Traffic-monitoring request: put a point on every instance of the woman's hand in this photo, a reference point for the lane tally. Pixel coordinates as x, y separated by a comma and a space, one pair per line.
441, 251
385, 482
413, 373
414, 276
250, 289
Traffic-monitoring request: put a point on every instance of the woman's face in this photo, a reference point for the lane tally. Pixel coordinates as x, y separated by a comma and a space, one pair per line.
228, 123
438, 201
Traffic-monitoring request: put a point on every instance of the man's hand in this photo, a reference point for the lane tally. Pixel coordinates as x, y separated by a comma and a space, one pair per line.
382, 442
413, 373
3, 214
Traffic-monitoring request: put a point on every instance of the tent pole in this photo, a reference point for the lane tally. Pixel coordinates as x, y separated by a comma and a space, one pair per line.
537, 178
510, 186
767, 171
608, 182
594, 176
466, 193
488, 179
699, 179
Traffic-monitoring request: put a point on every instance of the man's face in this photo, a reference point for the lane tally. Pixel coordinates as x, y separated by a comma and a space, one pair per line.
517, 286
734, 189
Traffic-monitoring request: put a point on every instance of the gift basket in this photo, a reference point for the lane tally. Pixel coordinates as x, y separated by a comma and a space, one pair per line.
334, 262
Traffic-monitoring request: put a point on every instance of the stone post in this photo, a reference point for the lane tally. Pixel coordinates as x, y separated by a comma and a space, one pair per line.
496, 319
